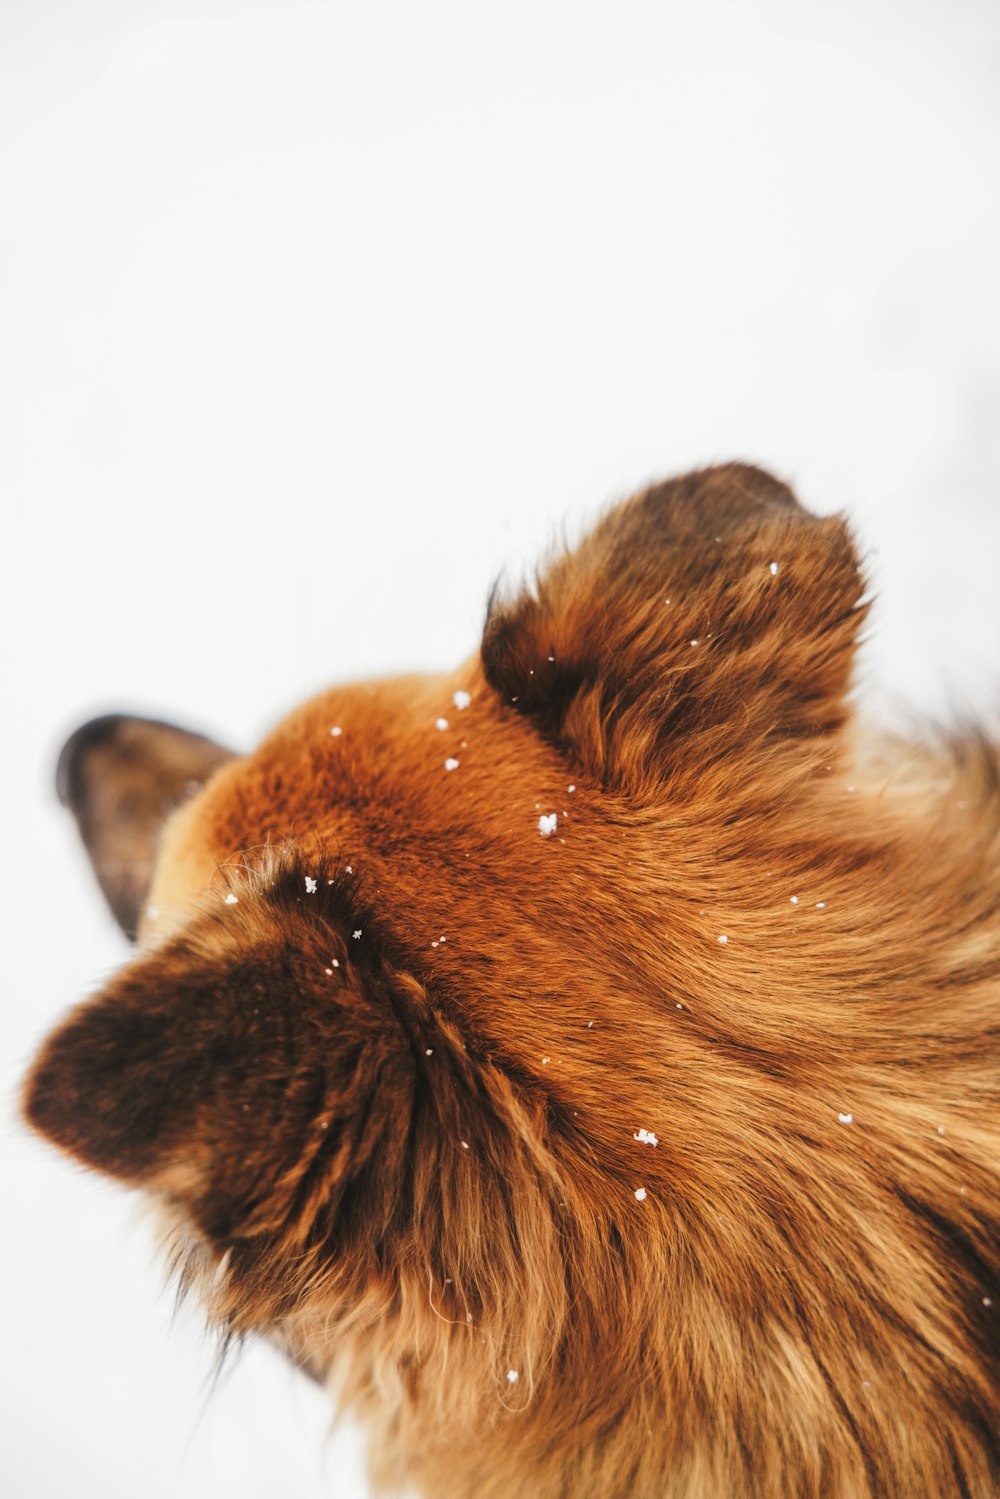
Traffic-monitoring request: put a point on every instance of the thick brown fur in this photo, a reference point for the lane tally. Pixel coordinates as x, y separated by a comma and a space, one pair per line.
388, 1043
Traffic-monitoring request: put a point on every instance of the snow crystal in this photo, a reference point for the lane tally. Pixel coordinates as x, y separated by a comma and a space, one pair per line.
232, 900
428, 1051
512, 1376
846, 1118
774, 569
640, 1194
336, 730
821, 905
987, 1301
440, 723
723, 938
571, 789
940, 1129
328, 971
310, 885
462, 699
464, 1144
794, 900
694, 642
451, 763
356, 934
335, 962
547, 823
646, 1137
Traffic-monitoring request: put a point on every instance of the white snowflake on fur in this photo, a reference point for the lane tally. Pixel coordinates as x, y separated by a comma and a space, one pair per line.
451, 763
462, 699
547, 824
646, 1137
310, 885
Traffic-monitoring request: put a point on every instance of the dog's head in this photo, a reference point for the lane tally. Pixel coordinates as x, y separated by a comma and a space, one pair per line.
423, 985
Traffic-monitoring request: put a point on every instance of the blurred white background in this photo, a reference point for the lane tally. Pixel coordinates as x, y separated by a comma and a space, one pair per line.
313, 316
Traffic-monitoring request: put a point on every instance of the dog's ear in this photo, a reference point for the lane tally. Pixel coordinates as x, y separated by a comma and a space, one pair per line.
121, 777
250, 1068
702, 619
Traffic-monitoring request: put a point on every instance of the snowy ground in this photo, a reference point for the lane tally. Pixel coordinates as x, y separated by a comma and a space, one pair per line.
311, 317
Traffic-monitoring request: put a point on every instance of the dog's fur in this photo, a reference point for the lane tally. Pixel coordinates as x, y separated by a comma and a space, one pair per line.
389, 1044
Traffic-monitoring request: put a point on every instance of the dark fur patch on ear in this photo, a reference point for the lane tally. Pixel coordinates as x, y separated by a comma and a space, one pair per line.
700, 618
121, 777
259, 1050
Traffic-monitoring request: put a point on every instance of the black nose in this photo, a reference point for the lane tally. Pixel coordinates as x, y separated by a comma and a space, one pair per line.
69, 770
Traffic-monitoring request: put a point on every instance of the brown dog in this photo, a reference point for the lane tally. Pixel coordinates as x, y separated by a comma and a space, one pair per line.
585, 1062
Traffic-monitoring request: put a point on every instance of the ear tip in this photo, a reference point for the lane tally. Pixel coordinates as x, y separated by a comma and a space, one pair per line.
45, 1102
88, 736
88, 1090
756, 484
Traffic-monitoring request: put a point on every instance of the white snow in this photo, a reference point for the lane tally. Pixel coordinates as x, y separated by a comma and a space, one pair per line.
846, 1118
311, 885
547, 824
336, 731
440, 723
646, 1137
232, 900
512, 1376
640, 1194
451, 763
462, 699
